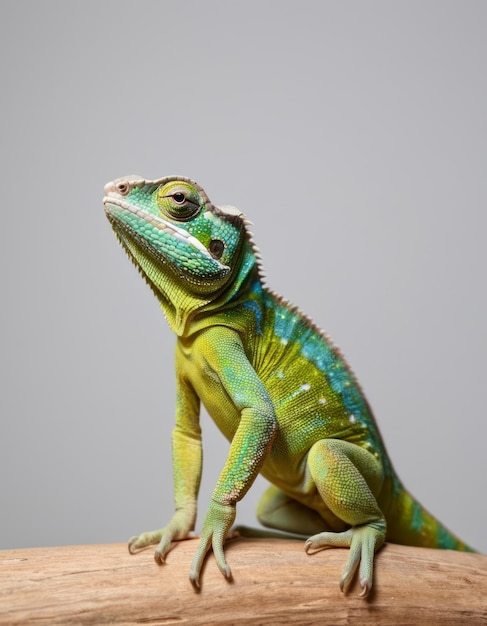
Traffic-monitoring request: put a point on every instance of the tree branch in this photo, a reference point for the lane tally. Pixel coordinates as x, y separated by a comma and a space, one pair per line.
275, 582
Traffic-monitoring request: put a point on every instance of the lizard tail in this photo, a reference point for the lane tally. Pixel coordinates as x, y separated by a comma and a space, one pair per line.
410, 524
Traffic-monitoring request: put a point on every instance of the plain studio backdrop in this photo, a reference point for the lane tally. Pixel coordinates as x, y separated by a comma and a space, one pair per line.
352, 134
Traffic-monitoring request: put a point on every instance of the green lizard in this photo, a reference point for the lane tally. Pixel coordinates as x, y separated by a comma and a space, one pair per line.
274, 384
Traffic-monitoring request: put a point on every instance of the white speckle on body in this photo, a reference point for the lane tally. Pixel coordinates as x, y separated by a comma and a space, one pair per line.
213, 375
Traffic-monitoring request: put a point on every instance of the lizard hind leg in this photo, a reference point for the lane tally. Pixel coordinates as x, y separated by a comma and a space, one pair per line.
278, 510
348, 479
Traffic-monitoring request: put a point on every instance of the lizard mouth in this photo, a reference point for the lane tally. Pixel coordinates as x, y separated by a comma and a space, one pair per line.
115, 208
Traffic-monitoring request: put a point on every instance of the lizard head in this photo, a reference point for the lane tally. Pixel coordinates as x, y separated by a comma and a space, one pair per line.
188, 249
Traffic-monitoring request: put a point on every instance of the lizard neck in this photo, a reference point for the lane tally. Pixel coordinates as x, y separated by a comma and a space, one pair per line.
188, 312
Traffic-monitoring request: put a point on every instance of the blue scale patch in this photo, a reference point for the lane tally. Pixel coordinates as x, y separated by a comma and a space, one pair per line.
321, 355
254, 307
285, 323
417, 518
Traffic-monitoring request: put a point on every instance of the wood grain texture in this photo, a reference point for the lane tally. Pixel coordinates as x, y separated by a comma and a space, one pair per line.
274, 582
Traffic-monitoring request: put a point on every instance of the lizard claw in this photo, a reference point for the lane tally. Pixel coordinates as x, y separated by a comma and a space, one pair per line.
226, 571
364, 583
159, 557
131, 543
195, 581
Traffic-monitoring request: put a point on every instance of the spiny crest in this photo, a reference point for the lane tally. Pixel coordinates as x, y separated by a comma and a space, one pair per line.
255, 250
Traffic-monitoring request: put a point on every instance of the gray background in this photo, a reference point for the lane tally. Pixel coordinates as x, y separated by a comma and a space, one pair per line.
354, 137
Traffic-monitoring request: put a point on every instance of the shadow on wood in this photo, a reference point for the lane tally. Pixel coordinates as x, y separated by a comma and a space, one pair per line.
274, 582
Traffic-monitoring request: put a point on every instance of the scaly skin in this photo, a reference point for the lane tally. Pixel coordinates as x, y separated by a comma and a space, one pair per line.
274, 384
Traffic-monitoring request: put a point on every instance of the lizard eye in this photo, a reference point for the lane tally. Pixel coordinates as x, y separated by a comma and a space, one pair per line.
179, 200
179, 197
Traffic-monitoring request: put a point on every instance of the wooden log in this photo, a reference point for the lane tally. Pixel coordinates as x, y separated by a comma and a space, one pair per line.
274, 582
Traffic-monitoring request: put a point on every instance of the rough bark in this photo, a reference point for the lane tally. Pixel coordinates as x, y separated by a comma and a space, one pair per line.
274, 582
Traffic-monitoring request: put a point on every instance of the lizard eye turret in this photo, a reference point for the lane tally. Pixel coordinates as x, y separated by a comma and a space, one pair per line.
179, 200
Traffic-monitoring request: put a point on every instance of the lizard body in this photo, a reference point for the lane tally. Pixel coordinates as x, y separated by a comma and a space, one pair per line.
274, 384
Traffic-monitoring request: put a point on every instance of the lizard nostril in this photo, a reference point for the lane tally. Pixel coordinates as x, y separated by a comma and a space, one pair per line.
122, 186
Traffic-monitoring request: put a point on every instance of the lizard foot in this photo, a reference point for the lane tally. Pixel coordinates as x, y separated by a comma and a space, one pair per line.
165, 538
363, 542
180, 527
216, 528
139, 542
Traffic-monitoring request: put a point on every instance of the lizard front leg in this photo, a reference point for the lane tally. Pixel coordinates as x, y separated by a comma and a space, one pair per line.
226, 359
187, 457
247, 452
